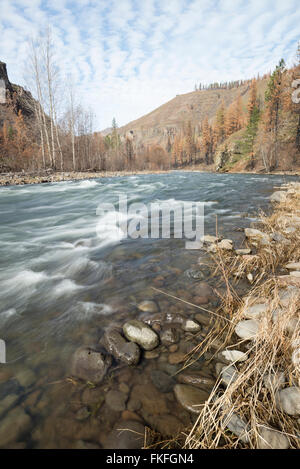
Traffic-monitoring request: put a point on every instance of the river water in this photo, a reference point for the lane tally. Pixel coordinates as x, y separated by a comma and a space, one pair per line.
67, 273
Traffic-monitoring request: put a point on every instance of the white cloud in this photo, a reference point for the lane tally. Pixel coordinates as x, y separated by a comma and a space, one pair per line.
128, 57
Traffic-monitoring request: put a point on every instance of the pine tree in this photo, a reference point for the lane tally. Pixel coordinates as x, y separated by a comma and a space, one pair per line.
273, 99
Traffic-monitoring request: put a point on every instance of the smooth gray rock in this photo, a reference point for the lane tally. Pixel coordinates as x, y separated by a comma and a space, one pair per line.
278, 196
140, 333
247, 329
271, 439
288, 400
237, 426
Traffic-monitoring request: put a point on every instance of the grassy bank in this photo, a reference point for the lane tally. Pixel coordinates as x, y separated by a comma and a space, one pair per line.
256, 400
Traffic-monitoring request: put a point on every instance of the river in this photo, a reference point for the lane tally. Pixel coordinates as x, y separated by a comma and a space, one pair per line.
67, 273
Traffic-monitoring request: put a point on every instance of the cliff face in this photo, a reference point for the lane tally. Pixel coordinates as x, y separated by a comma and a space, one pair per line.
16, 99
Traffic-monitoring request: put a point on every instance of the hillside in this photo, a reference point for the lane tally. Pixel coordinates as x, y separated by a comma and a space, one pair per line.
171, 117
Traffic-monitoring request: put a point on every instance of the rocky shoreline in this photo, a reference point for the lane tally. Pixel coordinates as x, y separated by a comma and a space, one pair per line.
43, 177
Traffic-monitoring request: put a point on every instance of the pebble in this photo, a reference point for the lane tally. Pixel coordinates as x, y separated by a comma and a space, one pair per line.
128, 434
176, 357
255, 311
234, 355
148, 306
274, 381
116, 400
162, 381
13, 426
247, 329
169, 336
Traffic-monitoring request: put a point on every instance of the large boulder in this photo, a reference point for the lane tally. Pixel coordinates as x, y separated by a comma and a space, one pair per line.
89, 364
140, 333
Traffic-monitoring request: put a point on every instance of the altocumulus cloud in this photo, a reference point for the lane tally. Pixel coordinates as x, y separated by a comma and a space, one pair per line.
127, 57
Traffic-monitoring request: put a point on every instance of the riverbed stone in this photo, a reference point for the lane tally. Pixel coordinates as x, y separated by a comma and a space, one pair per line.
278, 196
126, 434
203, 289
190, 325
162, 381
247, 329
237, 426
13, 426
257, 235
226, 244
148, 306
233, 356
229, 375
116, 400
269, 438
176, 357
140, 333
190, 397
195, 378
293, 266
243, 252
26, 378
90, 364
169, 336
288, 400
255, 311
121, 350
274, 381
7, 403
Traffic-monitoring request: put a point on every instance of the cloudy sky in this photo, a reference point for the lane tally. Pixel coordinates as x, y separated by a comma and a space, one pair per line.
127, 57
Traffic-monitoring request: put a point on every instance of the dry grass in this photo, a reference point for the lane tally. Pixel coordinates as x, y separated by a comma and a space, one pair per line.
270, 351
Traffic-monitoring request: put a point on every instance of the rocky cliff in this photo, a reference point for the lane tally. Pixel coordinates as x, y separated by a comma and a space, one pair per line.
16, 98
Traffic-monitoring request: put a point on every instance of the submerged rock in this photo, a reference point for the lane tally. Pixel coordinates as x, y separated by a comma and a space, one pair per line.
169, 336
190, 397
89, 364
126, 352
148, 306
13, 426
128, 434
140, 333
189, 325
195, 378
116, 400
162, 381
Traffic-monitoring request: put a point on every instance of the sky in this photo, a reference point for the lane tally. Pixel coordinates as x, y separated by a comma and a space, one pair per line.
127, 57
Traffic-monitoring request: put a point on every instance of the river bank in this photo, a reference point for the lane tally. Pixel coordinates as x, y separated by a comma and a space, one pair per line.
256, 401
42, 177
